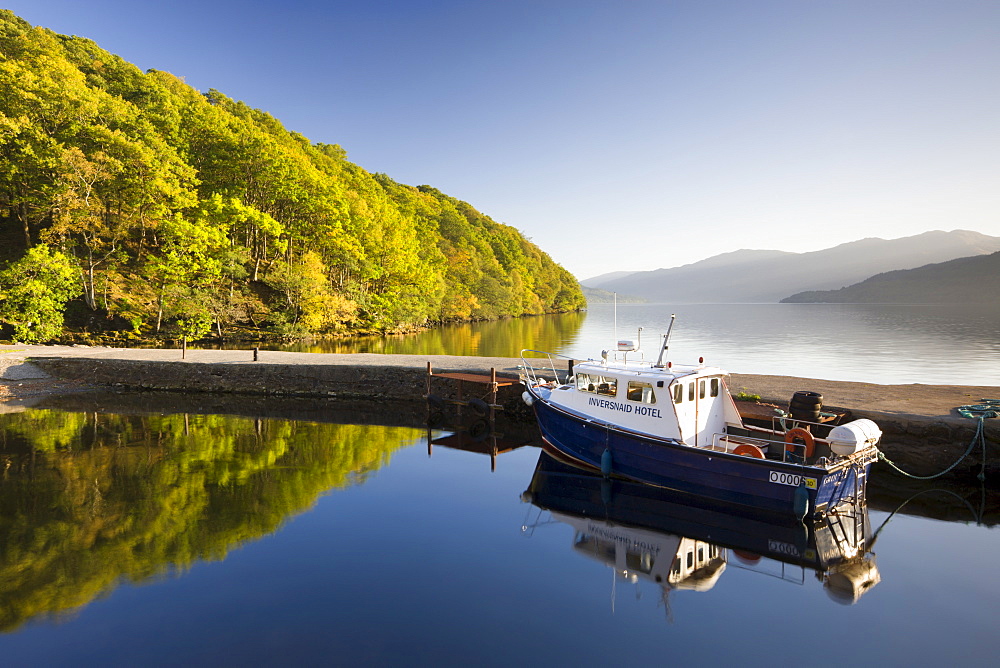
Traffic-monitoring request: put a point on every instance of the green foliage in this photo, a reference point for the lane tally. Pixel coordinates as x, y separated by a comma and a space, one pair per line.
34, 291
192, 211
310, 304
743, 395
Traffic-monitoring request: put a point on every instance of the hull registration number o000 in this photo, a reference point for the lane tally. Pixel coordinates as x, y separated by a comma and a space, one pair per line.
792, 479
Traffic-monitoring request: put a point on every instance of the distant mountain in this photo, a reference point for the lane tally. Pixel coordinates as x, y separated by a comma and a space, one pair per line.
770, 275
965, 280
598, 296
597, 281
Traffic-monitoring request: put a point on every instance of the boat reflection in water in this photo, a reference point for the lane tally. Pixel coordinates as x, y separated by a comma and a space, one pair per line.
683, 542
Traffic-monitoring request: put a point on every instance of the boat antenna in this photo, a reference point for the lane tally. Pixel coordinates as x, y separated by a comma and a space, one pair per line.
666, 342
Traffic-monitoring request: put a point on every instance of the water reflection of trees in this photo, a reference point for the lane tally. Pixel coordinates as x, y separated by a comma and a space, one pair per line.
498, 338
90, 499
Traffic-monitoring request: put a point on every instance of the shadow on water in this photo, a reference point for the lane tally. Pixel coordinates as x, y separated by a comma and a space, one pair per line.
958, 497
342, 411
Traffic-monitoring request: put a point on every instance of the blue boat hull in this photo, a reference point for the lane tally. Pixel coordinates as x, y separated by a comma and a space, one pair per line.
758, 484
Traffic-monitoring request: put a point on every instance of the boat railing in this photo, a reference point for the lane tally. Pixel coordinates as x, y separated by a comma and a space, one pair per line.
530, 373
722, 443
774, 568
785, 423
623, 356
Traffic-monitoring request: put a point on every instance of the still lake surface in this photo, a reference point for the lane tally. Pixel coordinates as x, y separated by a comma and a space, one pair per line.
180, 538
873, 343
186, 539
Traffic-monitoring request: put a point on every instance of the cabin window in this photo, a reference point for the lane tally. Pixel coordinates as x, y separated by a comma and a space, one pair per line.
715, 387
641, 562
690, 555
701, 389
690, 391
678, 393
586, 382
641, 392
591, 544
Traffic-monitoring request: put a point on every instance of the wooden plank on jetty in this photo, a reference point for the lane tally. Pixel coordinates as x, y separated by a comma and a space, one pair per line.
492, 381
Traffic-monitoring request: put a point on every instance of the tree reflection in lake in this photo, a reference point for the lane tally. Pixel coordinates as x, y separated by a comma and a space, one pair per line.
497, 338
91, 499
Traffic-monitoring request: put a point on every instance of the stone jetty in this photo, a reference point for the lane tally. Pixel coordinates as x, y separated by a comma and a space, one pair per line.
922, 429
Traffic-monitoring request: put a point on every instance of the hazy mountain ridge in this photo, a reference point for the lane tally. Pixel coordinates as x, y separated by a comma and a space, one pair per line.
596, 281
598, 296
770, 275
965, 280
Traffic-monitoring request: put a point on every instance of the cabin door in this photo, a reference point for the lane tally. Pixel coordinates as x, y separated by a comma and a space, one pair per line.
685, 404
709, 410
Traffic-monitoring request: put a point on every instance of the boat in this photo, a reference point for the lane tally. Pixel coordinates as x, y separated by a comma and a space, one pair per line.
680, 542
677, 426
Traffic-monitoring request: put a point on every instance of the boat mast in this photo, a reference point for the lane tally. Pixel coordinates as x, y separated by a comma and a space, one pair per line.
616, 318
666, 342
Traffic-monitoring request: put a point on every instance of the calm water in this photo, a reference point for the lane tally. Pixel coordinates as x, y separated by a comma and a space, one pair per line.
215, 540
933, 344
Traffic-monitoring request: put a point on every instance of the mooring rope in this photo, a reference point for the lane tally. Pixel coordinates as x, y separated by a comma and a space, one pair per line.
977, 516
986, 408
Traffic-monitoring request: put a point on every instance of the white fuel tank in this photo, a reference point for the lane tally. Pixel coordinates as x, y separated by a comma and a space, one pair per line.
846, 439
847, 583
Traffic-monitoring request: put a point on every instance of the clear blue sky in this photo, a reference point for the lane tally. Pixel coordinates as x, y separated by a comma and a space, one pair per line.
618, 135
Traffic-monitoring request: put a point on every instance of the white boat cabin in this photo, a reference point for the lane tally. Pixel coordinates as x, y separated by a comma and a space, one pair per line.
688, 403
671, 561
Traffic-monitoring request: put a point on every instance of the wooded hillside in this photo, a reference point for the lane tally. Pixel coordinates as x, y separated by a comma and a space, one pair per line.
131, 201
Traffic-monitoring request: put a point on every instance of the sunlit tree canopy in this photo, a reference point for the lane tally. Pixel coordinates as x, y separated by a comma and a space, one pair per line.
189, 213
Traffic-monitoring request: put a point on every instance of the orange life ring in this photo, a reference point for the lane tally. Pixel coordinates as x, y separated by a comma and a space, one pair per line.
806, 437
747, 557
749, 450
